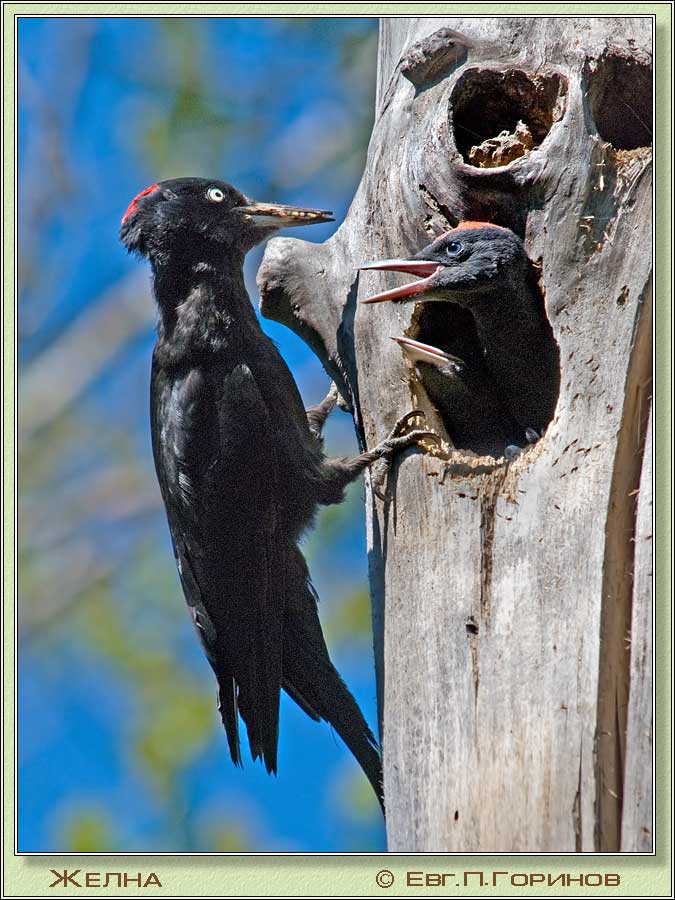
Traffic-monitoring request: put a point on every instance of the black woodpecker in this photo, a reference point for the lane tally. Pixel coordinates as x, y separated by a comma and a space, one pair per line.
240, 465
484, 269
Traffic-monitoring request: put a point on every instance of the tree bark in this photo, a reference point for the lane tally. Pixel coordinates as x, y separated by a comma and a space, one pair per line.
511, 599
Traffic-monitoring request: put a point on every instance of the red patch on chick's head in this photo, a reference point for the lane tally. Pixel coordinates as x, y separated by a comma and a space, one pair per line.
462, 226
134, 203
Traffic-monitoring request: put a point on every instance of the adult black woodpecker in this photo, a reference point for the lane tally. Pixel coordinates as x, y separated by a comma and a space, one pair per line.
466, 398
484, 269
240, 465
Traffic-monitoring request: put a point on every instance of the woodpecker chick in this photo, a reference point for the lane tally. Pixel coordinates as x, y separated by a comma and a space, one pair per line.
484, 269
466, 399
240, 465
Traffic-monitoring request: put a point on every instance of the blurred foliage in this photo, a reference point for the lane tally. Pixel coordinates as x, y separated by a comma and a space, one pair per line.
87, 831
189, 119
104, 106
350, 621
228, 840
353, 799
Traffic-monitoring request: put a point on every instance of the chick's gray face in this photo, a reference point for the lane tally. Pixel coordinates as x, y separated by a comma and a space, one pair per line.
471, 260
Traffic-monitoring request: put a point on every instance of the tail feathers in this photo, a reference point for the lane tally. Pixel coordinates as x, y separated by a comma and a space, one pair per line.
260, 711
262, 729
227, 706
311, 679
255, 659
289, 652
252, 692
316, 686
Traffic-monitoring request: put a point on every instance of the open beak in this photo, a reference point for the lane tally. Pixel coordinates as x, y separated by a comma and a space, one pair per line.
416, 352
411, 267
275, 215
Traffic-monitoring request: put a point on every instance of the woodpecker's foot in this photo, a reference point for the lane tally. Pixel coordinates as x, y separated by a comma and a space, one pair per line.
396, 441
393, 444
317, 415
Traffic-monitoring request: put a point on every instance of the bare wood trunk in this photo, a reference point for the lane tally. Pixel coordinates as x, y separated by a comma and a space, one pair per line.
511, 599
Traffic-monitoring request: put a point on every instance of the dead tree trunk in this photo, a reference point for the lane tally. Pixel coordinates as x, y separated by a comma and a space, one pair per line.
511, 599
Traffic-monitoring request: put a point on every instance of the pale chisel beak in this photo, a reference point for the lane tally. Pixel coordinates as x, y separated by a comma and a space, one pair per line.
411, 267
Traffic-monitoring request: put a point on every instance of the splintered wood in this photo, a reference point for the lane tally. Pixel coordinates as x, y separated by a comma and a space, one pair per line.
503, 149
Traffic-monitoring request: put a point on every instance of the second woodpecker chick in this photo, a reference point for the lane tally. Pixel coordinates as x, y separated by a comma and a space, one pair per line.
466, 399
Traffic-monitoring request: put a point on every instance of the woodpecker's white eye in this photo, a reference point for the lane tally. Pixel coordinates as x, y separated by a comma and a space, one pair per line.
215, 195
454, 248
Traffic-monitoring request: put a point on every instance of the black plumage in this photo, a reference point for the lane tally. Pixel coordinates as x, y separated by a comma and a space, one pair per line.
465, 396
240, 465
484, 269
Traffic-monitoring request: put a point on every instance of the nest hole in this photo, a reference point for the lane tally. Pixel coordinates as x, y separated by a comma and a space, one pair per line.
468, 404
499, 116
620, 100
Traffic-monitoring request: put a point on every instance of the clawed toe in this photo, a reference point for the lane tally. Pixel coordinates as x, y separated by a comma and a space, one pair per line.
403, 421
395, 443
379, 473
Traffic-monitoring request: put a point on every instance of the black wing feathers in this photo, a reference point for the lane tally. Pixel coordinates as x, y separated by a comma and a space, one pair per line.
217, 468
230, 467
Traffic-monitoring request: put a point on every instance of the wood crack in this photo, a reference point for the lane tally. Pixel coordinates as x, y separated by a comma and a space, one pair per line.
488, 509
577, 809
617, 588
438, 207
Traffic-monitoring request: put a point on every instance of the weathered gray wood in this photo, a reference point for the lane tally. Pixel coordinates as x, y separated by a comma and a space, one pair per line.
502, 593
636, 831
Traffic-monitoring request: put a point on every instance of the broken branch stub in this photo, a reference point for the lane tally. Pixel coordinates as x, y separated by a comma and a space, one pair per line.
506, 720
